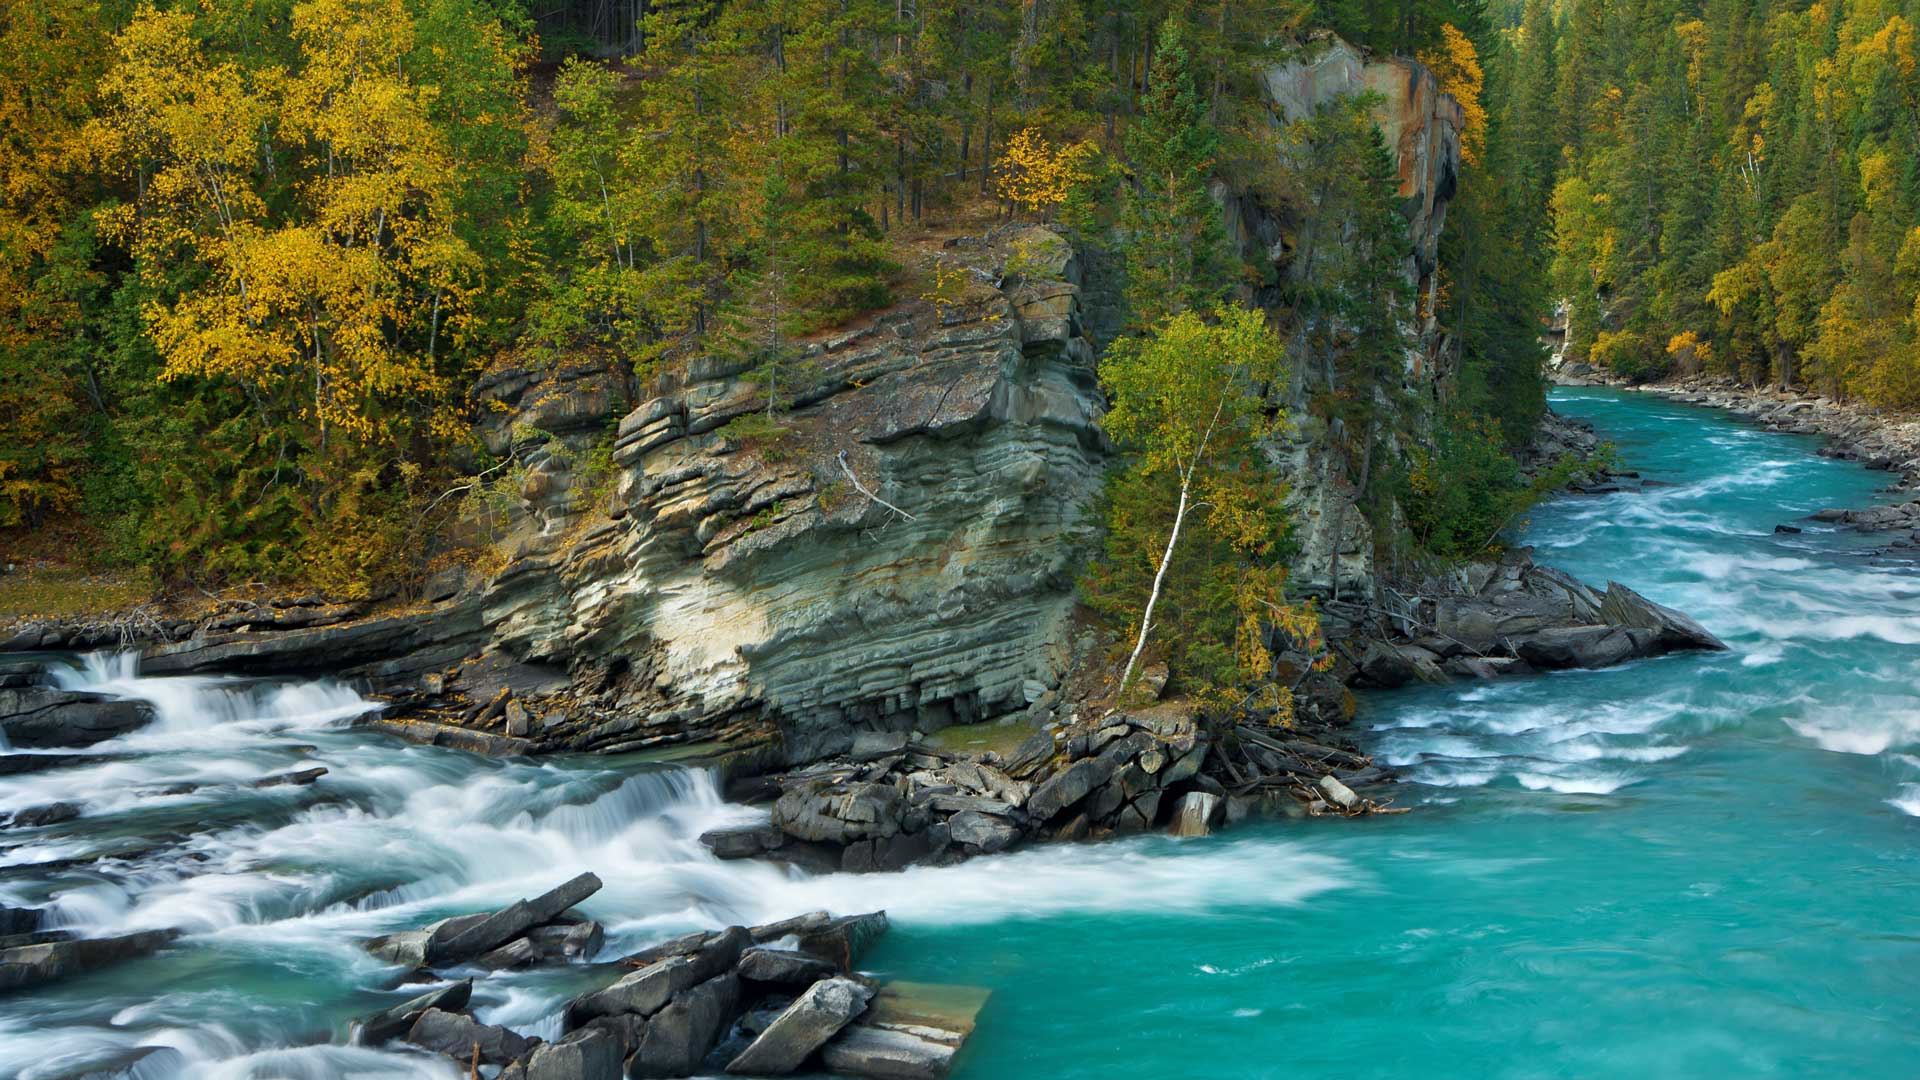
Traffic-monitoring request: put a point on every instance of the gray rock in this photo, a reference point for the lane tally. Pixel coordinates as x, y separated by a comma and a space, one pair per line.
1623, 607
986, 832
1195, 814
560, 941
460, 1037
679, 1037
784, 967
33, 965
812, 920
832, 813
397, 1021
508, 923
1575, 647
519, 720
1068, 786
36, 718
294, 779
648, 990
874, 745
1384, 666
841, 941
36, 817
802, 1028
883, 1053
14, 920
589, 1054
742, 842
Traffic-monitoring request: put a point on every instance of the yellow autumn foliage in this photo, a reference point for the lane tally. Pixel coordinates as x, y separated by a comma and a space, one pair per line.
1036, 175
1456, 64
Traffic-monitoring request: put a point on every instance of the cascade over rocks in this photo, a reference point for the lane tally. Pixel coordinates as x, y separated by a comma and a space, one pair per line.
41, 718
758, 1001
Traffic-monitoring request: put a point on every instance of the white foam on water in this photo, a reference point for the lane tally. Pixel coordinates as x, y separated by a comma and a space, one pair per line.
1596, 784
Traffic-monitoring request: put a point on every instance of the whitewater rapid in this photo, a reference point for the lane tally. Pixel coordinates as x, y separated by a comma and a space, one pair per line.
284, 882
1681, 866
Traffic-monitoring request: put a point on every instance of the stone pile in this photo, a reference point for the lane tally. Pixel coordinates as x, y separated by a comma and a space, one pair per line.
1510, 617
528, 932
753, 1001
893, 802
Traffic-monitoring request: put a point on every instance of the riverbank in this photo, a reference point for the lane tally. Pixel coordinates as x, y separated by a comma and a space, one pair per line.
1876, 438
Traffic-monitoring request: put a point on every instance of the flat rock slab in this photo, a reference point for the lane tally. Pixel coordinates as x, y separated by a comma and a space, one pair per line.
802, 1028
33, 965
910, 1031
492, 931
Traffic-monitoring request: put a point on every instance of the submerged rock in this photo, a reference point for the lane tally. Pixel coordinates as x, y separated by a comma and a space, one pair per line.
910, 1031
138, 1063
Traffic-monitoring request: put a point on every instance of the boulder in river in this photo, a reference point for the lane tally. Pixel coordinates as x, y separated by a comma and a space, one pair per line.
1623, 607
648, 990
803, 1027
397, 1021
588, 1054
679, 1037
33, 965
37, 718
463, 1038
37, 817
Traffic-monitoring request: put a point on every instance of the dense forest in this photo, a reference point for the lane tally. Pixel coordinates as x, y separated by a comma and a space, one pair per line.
1735, 186
255, 252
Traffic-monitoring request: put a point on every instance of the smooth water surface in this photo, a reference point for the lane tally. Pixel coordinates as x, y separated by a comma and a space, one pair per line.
1699, 864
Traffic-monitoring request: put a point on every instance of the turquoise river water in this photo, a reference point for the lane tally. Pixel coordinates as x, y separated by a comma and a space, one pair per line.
1698, 865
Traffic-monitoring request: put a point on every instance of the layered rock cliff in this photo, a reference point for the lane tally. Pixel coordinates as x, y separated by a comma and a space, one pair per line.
900, 554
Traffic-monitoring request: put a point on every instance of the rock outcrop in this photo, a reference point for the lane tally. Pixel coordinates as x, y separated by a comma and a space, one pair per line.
757, 1001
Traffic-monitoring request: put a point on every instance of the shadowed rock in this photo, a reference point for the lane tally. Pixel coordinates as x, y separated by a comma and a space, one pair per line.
802, 1028
679, 1036
460, 1036
397, 1021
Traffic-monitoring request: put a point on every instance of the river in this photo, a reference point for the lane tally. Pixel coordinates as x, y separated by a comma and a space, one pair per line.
1698, 864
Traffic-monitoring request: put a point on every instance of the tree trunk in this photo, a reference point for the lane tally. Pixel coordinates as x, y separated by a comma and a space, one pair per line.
1166, 560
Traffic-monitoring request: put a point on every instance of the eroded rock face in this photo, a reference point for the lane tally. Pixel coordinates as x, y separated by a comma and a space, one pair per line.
751, 579
1422, 128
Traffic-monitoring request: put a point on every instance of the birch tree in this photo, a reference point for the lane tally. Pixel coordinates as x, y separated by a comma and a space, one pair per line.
1189, 402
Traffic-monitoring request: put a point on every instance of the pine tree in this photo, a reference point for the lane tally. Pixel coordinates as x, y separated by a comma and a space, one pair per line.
1175, 243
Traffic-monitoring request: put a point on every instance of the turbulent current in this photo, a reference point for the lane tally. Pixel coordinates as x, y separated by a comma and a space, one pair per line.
1698, 864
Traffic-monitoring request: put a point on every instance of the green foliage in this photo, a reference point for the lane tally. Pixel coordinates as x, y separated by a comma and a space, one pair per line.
1197, 499
1175, 244
1743, 172
1461, 493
